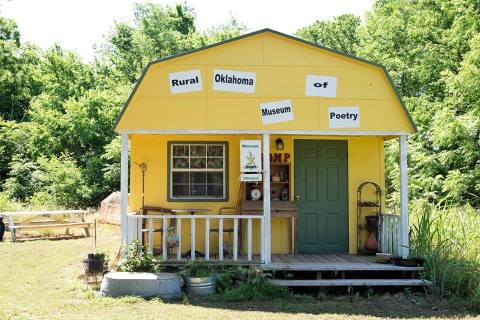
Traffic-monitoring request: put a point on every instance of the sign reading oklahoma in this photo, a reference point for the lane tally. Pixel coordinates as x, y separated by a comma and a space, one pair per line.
234, 81
250, 156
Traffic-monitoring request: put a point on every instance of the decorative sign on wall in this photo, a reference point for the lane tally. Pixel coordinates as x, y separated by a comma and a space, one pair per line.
321, 86
250, 156
185, 81
234, 81
274, 112
344, 117
251, 177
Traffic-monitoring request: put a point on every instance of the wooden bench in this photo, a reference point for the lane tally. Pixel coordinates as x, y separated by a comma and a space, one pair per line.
45, 220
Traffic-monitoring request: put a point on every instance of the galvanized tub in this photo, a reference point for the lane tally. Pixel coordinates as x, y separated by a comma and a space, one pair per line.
200, 286
144, 284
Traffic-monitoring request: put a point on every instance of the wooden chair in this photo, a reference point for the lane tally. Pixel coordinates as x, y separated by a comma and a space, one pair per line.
145, 210
226, 229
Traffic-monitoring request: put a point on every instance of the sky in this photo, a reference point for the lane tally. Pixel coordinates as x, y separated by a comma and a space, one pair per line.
80, 24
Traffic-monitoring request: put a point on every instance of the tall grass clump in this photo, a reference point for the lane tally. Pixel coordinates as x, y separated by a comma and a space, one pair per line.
448, 238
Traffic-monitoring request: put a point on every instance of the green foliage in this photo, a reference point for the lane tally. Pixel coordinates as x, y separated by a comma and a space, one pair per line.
339, 34
137, 259
448, 239
196, 269
240, 284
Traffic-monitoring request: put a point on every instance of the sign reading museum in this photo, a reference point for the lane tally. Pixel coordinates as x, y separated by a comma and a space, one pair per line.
343, 117
185, 81
234, 81
279, 111
321, 86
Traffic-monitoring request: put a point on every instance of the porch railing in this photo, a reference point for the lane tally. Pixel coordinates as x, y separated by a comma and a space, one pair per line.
389, 236
138, 225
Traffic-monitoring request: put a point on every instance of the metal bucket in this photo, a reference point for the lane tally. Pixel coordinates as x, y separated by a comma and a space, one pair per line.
200, 286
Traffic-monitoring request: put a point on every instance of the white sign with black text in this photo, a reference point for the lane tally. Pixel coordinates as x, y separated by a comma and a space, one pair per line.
185, 81
274, 112
250, 156
344, 117
321, 86
234, 81
251, 177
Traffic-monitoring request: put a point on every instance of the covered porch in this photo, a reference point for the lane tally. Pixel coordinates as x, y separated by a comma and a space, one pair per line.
241, 237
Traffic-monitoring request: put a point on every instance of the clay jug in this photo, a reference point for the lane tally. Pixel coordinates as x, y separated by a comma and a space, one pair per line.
371, 244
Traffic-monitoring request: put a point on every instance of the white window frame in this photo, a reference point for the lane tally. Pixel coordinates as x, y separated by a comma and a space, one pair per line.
224, 170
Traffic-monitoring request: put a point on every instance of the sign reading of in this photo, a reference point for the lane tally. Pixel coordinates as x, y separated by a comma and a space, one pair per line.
344, 117
234, 81
185, 81
251, 177
321, 86
274, 112
250, 156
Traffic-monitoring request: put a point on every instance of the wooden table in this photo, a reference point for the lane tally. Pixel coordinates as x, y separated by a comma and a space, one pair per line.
278, 209
37, 220
192, 211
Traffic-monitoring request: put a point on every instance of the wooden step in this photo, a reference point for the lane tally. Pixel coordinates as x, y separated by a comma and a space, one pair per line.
352, 282
350, 266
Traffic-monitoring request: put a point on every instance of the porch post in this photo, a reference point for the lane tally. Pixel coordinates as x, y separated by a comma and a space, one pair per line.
266, 197
404, 245
124, 188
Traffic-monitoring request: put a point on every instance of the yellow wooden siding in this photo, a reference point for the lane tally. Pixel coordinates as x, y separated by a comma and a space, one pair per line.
365, 163
281, 66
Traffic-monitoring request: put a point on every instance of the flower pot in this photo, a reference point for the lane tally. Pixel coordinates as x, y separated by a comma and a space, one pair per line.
95, 265
409, 262
200, 286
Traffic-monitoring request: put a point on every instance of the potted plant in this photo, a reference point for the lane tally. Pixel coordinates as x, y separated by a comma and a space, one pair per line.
199, 278
96, 262
410, 261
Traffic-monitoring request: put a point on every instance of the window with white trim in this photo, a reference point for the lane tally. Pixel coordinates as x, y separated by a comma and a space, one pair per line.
198, 171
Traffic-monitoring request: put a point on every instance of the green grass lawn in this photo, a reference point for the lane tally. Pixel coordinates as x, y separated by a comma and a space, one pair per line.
39, 279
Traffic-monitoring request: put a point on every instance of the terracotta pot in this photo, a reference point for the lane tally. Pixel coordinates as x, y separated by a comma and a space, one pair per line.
371, 244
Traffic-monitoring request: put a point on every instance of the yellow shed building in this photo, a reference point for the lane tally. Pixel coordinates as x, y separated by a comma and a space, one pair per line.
255, 147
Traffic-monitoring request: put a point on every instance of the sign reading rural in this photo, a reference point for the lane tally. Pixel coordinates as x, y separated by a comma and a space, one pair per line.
250, 156
185, 81
343, 117
234, 81
274, 112
321, 86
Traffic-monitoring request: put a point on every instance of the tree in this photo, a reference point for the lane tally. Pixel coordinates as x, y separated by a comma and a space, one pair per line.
18, 78
340, 34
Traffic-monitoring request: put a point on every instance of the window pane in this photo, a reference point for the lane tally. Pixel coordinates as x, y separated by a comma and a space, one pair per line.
180, 150
180, 177
180, 190
198, 150
215, 151
197, 163
198, 177
215, 163
215, 177
180, 163
215, 190
198, 190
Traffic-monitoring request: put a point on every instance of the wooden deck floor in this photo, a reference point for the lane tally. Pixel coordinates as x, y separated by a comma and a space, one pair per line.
331, 262
306, 262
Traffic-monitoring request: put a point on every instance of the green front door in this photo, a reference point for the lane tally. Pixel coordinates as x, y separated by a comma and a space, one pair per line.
321, 191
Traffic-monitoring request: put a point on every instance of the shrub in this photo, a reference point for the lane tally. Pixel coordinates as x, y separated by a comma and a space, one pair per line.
248, 285
196, 269
137, 259
449, 240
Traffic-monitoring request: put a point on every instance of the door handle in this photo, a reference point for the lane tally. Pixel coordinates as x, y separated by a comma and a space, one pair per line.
297, 198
